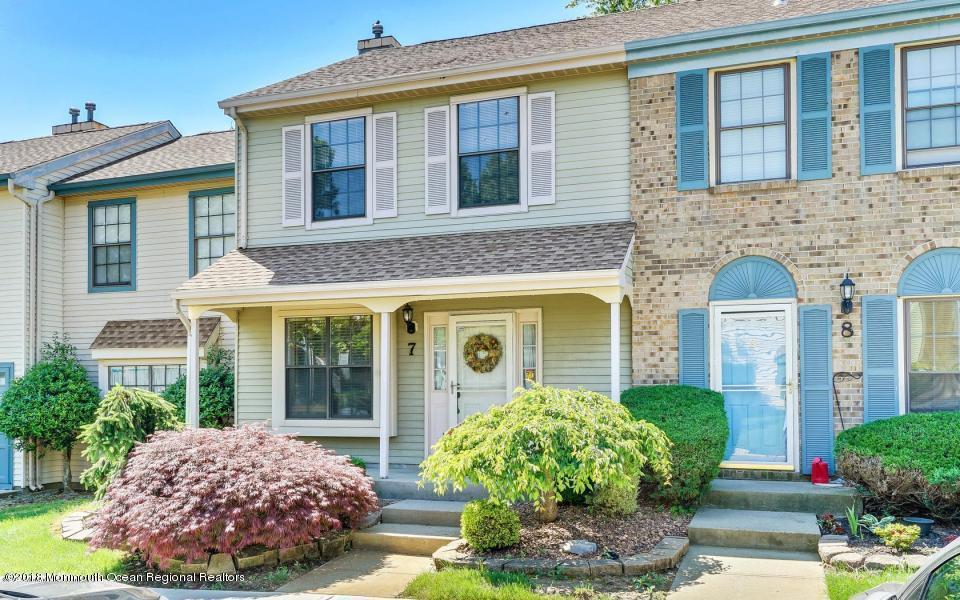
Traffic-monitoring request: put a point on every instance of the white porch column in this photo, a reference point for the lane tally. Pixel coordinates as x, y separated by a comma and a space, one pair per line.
193, 374
386, 323
615, 351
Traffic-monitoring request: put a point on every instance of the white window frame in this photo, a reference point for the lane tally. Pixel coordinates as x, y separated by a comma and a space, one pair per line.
319, 427
455, 101
713, 152
103, 366
309, 121
903, 347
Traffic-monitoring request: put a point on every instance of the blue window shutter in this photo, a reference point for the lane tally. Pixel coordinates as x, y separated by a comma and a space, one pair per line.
880, 390
692, 164
816, 384
877, 146
814, 114
694, 356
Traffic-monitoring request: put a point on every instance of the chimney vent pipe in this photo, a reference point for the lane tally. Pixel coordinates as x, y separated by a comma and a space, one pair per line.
90, 106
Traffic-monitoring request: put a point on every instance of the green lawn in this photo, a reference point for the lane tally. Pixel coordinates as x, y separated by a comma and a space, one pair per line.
845, 584
30, 537
469, 584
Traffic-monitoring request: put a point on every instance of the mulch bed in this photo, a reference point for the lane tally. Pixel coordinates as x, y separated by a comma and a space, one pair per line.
620, 536
939, 537
23, 497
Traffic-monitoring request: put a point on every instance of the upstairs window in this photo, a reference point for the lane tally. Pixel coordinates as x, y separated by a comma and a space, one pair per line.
753, 133
214, 222
488, 148
339, 169
112, 226
931, 105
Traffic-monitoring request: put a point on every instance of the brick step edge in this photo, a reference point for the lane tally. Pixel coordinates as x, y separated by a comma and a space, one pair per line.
665, 555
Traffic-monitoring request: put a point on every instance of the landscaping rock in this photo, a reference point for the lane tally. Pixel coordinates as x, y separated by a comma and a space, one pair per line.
370, 520
449, 555
832, 538
311, 550
637, 565
194, 567
830, 549
271, 557
580, 547
293, 554
530, 566
915, 561
574, 567
333, 547
851, 560
605, 566
878, 562
221, 564
253, 560
494, 564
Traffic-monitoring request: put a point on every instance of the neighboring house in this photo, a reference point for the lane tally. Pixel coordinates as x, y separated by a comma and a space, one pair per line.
126, 215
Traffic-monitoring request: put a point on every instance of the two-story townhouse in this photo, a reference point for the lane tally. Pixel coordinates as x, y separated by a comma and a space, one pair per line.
795, 187
124, 215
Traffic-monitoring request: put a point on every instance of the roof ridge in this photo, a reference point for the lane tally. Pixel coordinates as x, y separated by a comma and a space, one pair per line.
73, 133
207, 133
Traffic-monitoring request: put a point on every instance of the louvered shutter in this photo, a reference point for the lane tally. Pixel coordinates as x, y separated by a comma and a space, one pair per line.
541, 148
293, 176
814, 108
816, 384
880, 389
384, 165
694, 356
692, 162
877, 146
436, 133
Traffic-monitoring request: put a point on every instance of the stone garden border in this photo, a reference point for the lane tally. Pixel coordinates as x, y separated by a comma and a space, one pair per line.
665, 555
835, 551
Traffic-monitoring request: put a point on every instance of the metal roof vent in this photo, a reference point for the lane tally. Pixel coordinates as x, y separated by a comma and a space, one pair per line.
76, 124
378, 40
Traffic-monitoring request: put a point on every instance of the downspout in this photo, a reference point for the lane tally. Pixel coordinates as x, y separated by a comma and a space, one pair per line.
240, 175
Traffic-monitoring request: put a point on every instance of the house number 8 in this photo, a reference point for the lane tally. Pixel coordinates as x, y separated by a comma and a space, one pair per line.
846, 329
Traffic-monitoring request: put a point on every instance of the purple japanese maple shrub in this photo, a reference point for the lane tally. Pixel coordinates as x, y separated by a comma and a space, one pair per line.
183, 494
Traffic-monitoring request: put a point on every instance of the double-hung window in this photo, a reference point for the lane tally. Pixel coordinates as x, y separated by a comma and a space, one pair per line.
329, 367
213, 223
338, 163
112, 232
753, 132
488, 153
931, 100
933, 350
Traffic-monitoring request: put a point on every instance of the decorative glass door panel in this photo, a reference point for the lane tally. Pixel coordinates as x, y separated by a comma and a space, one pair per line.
755, 382
484, 377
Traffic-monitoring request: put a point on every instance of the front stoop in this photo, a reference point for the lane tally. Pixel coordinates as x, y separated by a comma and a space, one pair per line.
785, 496
770, 530
401, 538
424, 512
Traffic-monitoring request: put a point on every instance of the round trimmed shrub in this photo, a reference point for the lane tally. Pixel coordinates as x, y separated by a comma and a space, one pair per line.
185, 494
910, 464
545, 445
695, 421
488, 526
618, 500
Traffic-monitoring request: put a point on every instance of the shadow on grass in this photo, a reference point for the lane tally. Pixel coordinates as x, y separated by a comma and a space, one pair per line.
36, 509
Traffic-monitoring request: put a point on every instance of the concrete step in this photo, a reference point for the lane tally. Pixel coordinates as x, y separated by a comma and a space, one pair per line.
783, 496
415, 540
762, 529
424, 512
402, 485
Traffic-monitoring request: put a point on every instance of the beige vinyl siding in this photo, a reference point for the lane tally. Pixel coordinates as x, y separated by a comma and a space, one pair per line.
592, 160
13, 215
162, 265
576, 350
51, 271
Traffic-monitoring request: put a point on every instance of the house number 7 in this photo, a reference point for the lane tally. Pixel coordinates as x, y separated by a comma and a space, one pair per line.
413, 346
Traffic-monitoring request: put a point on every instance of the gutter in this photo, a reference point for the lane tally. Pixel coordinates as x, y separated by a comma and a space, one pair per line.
240, 177
220, 171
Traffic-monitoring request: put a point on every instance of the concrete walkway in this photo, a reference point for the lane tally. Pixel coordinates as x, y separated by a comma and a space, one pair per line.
709, 573
362, 573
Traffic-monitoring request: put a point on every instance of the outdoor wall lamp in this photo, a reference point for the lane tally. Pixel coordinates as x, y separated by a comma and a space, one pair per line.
846, 294
408, 319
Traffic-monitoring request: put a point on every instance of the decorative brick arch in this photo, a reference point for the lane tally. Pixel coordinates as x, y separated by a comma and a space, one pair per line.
917, 252
774, 255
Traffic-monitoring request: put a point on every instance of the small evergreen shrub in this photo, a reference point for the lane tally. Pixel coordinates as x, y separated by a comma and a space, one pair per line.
359, 463
183, 494
216, 390
616, 500
545, 445
488, 526
696, 423
910, 464
125, 417
898, 536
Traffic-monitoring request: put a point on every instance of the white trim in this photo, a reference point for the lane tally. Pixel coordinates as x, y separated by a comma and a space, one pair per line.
367, 219
789, 308
615, 351
103, 367
384, 398
115, 354
454, 145
902, 355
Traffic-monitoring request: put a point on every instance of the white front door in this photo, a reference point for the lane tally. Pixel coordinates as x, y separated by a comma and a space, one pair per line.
754, 367
473, 388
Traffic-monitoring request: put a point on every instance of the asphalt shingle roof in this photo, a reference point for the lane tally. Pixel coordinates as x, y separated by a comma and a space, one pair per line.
685, 16
150, 333
592, 247
201, 150
20, 154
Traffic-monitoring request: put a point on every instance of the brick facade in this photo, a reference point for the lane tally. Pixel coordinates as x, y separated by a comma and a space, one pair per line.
871, 227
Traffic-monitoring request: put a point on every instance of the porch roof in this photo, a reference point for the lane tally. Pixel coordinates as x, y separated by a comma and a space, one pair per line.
598, 247
150, 333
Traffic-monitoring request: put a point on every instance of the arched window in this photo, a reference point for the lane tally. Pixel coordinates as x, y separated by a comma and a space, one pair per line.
753, 278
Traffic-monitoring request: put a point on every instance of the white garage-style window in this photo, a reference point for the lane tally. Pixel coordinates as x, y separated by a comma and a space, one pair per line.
152, 378
933, 351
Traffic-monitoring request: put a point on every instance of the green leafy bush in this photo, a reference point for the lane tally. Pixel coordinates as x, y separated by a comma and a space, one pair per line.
695, 421
488, 526
910, 464
51, 402
545, 444
898, 536
216, 391
124, 418
359, 463
616, 500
